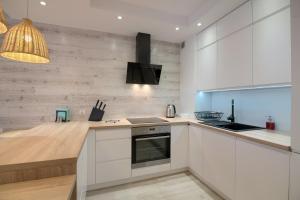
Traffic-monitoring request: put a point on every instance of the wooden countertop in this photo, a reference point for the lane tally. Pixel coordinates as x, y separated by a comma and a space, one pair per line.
55, 142
47, 142
57, 188
58, 145
277, 139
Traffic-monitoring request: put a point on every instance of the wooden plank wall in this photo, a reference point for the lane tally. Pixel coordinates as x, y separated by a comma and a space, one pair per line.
85, 65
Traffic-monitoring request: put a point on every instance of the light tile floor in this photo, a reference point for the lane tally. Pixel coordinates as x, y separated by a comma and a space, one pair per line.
182, 186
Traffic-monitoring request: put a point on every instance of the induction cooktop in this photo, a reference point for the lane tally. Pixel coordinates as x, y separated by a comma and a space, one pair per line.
146, 120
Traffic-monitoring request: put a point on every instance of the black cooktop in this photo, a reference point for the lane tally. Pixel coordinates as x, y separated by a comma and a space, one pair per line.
146, 120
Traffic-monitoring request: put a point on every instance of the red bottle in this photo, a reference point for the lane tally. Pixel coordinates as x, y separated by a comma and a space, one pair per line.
270, 124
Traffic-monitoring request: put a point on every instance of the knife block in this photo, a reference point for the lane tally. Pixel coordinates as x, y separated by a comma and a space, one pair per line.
96, 115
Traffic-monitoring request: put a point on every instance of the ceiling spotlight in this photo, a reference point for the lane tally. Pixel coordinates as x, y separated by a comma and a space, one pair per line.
177, 28
199, 24
120, 17
43, 3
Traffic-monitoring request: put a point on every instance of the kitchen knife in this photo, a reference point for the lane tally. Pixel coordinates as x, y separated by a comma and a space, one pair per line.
103, 107
100, 105
97, 103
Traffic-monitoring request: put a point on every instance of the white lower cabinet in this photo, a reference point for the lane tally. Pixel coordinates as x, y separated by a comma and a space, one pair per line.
82, 171
113, 170
195, 149
295, 177
262, 172
179, 146
112, 155
219, 161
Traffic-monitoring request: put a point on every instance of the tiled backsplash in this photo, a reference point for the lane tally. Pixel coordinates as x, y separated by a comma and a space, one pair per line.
251, 106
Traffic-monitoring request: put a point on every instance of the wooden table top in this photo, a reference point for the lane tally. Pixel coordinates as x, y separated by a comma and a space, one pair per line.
56, 188
47, 142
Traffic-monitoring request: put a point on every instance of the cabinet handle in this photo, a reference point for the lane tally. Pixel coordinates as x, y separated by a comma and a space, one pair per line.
152, 138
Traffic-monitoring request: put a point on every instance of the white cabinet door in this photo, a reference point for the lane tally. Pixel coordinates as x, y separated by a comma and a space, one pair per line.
179, 146
219, 161
234, 21
234, 67
207, 37
261, 172
108, 150
263, 8
91, 159
112, 154
113, 171
195, 149
81, 173
272, 49
295, 177
207, 67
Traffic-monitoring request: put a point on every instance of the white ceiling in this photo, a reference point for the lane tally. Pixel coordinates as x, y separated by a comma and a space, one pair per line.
157, 17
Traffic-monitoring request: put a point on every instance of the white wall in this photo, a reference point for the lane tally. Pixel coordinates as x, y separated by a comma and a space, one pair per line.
85, 65
188, 77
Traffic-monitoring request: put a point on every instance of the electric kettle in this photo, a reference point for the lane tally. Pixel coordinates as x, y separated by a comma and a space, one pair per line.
171, 111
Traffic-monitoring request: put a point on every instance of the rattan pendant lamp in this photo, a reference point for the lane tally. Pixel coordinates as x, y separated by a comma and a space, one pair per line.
24, 43
3, 26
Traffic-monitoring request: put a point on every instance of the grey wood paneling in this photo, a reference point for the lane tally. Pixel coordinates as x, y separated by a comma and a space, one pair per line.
85, 65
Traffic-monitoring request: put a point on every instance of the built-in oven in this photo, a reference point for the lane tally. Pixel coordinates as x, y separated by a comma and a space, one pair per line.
150, 146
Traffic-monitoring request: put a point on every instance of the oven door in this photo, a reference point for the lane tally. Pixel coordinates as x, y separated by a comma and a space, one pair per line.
150, 149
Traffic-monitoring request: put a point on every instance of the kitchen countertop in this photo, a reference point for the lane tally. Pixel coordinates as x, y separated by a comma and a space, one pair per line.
50, 143
44, 143
57, 188
277, 139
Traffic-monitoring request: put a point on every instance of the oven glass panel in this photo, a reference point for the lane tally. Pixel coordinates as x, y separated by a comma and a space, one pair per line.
151, 147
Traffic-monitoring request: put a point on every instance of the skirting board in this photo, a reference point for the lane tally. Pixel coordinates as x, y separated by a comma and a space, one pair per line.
156, 175
134, 179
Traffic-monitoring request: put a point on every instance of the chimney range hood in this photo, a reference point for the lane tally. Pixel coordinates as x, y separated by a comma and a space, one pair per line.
141, 71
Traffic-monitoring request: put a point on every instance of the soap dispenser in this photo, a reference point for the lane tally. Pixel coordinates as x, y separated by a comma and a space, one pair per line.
270, 124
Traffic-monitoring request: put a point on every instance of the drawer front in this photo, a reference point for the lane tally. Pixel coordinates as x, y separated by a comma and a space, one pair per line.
114, 133
109, 150
113, 171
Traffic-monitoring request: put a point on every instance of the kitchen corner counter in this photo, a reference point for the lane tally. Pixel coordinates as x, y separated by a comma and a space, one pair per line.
57, 188
277, 139
52, 150
45, 151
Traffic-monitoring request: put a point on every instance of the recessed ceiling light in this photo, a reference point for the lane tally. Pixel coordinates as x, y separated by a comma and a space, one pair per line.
177, 28
199, 24
120, 17
43, 3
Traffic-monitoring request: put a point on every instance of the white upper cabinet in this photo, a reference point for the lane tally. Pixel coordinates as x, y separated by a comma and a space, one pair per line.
234, 68
262, 172
219, 161
207, 67
263, 8
272, 49
207, 37
236, 20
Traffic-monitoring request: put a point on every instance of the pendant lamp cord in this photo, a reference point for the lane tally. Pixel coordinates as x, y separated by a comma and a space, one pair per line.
27, 9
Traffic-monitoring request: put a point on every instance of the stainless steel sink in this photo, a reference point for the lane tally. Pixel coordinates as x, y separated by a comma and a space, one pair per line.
237, 127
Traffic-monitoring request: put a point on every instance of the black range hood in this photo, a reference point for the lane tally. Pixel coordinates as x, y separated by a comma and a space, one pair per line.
141, 71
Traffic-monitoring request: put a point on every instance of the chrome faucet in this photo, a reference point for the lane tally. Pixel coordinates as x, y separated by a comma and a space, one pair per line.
231, 117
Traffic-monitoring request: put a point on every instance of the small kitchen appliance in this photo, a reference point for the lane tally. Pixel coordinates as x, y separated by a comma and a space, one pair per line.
171, 111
